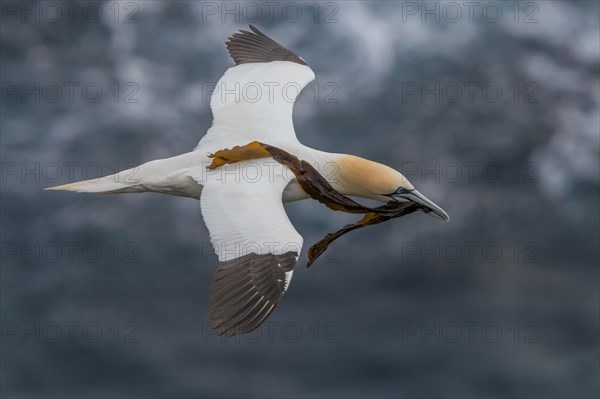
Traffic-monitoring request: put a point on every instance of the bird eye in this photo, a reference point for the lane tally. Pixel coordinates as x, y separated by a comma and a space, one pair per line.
400, 190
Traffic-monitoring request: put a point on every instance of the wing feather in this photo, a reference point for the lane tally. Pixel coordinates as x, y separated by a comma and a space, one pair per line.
255, 242
254, 100
262, 48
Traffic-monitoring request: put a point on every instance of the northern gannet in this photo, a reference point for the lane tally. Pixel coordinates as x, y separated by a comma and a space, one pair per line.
246, 166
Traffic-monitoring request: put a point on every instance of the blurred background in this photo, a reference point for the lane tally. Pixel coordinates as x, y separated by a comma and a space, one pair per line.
491, 109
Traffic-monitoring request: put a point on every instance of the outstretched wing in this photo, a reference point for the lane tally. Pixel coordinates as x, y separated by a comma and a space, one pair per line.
254, 100
255, 242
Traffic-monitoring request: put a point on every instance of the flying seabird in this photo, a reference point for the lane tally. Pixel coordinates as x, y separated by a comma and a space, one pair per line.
246, 166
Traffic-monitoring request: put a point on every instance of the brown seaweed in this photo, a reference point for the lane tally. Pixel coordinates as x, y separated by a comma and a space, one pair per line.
388, 211
315, 185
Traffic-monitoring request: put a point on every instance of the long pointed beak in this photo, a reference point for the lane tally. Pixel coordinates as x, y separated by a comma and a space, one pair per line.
429, 206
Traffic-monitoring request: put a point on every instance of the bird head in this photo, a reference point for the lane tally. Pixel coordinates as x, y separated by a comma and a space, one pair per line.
372, 180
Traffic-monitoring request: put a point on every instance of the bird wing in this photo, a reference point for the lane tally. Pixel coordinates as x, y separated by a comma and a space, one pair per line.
255, 242
254, 99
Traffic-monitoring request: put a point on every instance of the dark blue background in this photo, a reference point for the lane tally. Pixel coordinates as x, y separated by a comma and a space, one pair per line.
403, 309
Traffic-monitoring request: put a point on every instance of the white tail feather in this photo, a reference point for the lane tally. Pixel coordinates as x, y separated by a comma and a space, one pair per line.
168, 176
107, 184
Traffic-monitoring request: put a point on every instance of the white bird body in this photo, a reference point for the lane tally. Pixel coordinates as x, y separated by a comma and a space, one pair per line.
242, 203
184, 175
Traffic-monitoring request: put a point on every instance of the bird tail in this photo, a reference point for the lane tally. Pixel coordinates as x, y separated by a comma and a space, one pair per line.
122, 182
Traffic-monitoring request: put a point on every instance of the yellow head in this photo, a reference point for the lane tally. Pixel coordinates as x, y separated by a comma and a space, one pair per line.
368, 179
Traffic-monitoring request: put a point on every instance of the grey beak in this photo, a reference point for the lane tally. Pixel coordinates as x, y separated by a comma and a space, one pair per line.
418, 198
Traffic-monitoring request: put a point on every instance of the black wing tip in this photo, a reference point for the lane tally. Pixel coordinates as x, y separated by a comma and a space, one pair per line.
246, 290
223, 328
254, 46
